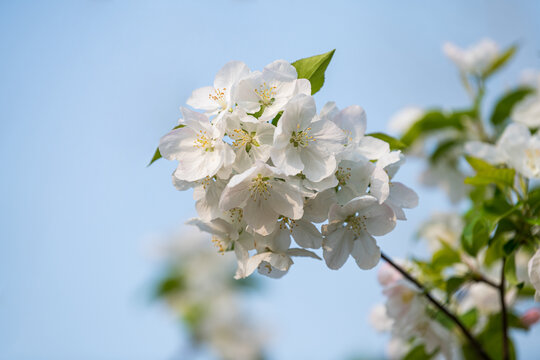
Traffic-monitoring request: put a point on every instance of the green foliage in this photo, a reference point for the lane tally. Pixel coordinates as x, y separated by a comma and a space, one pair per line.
475, 234
313, 69
443, 148
487, 174
500, 61
432, 121
157, 154
506, 103
419, 353
171, 284
394, 143
454, 284
470, 318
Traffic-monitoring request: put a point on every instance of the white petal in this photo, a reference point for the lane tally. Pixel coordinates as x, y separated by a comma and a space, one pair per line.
380, 187
260, 217
229, 74
280, 70
306, 234
336, 248
534, 273
372, 148
286, 200
302, 253
317, 165
365, 251
200, 99
403, 196
352, 119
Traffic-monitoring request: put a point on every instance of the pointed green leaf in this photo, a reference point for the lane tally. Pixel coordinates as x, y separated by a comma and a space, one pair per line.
500, 61
506, 104
313, 68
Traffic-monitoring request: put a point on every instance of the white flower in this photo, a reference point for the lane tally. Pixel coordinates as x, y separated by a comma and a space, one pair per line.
402, 121
270, 89
384, 170
305, 143
198, 147
516, 147
445, 228
475, 59
352, 120
534, 274
264, 194
207, 196
252, 141
353, 179
316, 209
274, 255
378, 318
350, 231
401, 197
218, 99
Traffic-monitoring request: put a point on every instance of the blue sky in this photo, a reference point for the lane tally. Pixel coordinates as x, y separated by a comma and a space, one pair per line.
88, 87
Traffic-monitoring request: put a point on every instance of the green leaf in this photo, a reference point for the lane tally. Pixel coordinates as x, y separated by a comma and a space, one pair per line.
475, 235
313, 68
506, 103
453, 284
478, 164
445, 256
501, 177
394, 143
510, 270
419, 353
157, 154
432, 121
500, 61
442, 148
470, 318
169, 285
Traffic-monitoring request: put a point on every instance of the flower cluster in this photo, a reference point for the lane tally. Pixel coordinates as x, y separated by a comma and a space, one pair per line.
265, 166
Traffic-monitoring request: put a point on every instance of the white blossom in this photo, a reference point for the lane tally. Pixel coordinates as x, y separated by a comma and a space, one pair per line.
264, 195
198, 147
350, 230
304, 142
474, 60
218, 99
270, 89
534, 274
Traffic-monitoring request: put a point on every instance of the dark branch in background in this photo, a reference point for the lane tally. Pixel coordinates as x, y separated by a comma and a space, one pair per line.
475, 344
506, 353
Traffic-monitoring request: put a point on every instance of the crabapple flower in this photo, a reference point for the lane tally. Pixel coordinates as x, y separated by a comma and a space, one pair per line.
350, 228
384, 170
353, 179
252, 141
274, 255
218, 99
264, 195
534, 274
270, 90
198, 147
352, 120
530, 317
474, 60
516, 148
401, 197
305, 143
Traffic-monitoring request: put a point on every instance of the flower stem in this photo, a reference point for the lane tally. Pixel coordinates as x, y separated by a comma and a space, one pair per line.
474, 343
504, 315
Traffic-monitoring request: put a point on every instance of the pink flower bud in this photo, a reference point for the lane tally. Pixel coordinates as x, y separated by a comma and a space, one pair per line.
387, 275
531, 317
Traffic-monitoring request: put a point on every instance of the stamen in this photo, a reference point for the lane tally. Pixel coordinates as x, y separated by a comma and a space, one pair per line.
266, 93
260, 187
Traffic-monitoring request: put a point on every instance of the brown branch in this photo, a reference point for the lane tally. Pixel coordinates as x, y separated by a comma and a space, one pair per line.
474, 343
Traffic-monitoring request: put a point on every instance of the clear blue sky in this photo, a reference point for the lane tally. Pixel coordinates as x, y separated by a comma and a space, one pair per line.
88, 87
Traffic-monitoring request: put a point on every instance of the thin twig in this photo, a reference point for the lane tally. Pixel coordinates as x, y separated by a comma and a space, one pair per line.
502, 286
475, 344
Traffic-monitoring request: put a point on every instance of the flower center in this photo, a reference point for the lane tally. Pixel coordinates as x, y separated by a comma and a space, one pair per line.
300, 137
357, 224
533, 160
243, 138
203, 141
220, 244
287, 223
260, 187
236, 215
266, 93
343, 175
219, 97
